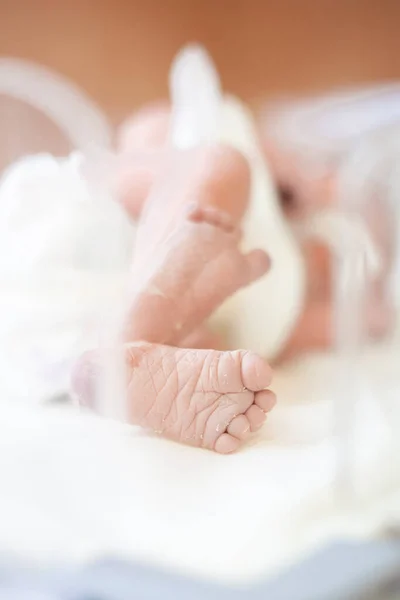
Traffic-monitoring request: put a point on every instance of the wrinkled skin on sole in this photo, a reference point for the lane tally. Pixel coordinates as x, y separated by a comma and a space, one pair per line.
204, 398
187, 262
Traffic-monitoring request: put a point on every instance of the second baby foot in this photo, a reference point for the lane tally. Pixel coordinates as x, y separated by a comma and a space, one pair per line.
180, 284
204, 398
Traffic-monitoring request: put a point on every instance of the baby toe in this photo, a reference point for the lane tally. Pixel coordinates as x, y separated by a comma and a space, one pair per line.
239, 427
256, 372
256, 417
265, 400
226, 444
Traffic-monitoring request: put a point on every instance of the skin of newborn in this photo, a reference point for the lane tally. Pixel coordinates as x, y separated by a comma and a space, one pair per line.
187, 262
143, 137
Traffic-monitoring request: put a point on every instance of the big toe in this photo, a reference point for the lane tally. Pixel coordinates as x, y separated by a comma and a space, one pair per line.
256, 372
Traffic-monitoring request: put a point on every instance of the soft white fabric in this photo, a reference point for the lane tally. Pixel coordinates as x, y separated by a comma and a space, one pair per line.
76, 487
65, 253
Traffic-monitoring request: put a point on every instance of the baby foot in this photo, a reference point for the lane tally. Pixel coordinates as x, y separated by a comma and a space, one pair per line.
187, 277
204, 398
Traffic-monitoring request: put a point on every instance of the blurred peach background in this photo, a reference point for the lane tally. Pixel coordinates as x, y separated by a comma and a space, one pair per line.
120, 50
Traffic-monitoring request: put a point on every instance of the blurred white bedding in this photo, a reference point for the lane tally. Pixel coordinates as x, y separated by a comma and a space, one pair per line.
65, 254
77, 487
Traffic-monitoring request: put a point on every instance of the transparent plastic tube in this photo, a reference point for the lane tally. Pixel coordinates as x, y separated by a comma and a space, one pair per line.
75, 114
369, 192
65, 242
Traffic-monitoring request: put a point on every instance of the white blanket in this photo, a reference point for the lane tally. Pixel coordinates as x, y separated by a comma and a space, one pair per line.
75, 487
